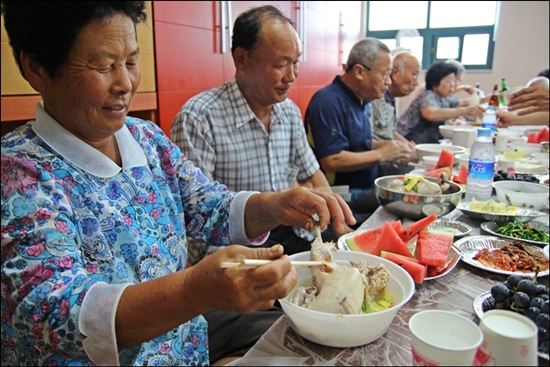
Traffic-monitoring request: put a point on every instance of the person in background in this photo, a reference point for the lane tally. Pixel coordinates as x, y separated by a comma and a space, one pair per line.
247, 133
404, 79
338, 124
432, 108
461, 71
97, 208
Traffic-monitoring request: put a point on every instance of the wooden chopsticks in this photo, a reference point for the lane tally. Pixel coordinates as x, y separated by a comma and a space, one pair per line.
250, 263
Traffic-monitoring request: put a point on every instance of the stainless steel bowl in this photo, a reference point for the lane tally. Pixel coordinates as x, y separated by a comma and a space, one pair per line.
416, 206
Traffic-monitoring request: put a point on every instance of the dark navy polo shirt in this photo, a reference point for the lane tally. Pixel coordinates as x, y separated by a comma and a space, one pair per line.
337, 120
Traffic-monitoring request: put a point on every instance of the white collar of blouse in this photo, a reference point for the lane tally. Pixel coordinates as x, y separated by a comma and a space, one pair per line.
83, 155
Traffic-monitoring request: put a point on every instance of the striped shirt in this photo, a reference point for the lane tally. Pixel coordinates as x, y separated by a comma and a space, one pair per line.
219, 132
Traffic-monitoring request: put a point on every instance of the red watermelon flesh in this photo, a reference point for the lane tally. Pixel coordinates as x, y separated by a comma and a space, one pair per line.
412, 230
446, 159
532, 138
366, 241
417, 271
447, 172
432, 247
542, 135
397, 226
462, 177
390, 241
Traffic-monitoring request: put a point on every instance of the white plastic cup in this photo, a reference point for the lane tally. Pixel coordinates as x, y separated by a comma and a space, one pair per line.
429, 162
443, 338
509, 339
464, 137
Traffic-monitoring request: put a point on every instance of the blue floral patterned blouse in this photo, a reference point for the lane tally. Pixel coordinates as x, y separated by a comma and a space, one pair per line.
77, 229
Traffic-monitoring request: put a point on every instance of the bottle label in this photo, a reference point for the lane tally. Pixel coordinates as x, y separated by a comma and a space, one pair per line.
481, 170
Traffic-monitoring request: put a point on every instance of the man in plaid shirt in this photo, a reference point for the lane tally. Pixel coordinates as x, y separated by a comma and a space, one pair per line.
246, 133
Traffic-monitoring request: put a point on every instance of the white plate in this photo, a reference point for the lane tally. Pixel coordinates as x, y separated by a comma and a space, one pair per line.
470, 246
478, 309
545, 251
491, 227
452, 258
522, 214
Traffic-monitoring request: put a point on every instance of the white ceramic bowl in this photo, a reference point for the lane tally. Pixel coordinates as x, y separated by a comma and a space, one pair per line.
542, 157
522, 194
344, 331
435, 149
447, 131
462, 159
528, 148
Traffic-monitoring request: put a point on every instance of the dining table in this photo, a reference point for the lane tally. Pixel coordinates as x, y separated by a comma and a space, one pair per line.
455, 292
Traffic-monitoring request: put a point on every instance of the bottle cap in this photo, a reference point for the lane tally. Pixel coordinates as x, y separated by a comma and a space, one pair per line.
484, 131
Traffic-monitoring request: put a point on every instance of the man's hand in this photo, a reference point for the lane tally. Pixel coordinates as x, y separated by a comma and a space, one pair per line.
393, 150
529, 100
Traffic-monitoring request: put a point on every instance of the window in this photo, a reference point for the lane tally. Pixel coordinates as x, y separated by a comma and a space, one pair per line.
437, 30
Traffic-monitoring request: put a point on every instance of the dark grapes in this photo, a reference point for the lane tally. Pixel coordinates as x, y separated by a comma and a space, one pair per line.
545, 307
543, 333
514, 279
543, 320
499, 292
541, 289
521, 300
528, 287
536, 302
532, 313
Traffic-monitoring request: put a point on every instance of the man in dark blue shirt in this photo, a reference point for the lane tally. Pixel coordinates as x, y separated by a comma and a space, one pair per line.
338, 124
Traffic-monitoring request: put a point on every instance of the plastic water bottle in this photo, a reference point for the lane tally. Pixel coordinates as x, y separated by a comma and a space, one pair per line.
481, 167
490, 119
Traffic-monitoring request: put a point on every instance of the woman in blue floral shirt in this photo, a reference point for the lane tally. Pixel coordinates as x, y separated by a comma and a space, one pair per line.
97, 207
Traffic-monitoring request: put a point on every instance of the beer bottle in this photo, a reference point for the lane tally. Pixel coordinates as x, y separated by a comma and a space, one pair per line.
494, 100
503, 89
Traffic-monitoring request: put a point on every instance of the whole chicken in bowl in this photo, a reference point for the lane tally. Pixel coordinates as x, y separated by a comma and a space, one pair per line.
416, 197
336, 315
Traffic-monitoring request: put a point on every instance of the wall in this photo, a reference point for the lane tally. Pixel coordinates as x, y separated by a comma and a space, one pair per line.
189, 58
521, 48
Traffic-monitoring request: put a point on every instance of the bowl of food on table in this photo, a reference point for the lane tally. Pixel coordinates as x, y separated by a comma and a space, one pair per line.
435, 149
528, 148
447, 131
522, 194
349, 301
416, 197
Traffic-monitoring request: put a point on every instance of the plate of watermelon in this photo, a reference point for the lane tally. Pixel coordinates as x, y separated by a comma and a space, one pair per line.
424, 253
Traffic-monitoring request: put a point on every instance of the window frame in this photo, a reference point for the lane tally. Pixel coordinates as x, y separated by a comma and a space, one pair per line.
430, 35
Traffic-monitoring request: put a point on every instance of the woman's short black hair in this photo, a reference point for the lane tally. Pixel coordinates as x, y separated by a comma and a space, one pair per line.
438, 71
47, 30
248, 24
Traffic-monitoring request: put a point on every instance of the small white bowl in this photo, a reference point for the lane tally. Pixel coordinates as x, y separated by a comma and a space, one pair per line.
542, 158
343, 331
435, 149
462, 159
522, 194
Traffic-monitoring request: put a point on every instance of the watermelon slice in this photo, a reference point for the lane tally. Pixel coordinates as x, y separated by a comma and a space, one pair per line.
446, 159
417, 271
390, 241
436, 173
542, 135
366, 241
412, 230
397, 226
462, 177
432, 247
532, 138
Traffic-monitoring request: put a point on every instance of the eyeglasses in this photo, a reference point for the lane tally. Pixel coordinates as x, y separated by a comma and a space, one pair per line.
385, 75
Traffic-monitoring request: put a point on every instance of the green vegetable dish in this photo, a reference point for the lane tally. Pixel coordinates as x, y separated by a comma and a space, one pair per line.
522, 230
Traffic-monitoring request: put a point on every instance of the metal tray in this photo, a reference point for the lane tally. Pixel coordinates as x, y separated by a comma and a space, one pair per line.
491, 227
469, 247
460, 229
522, 214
